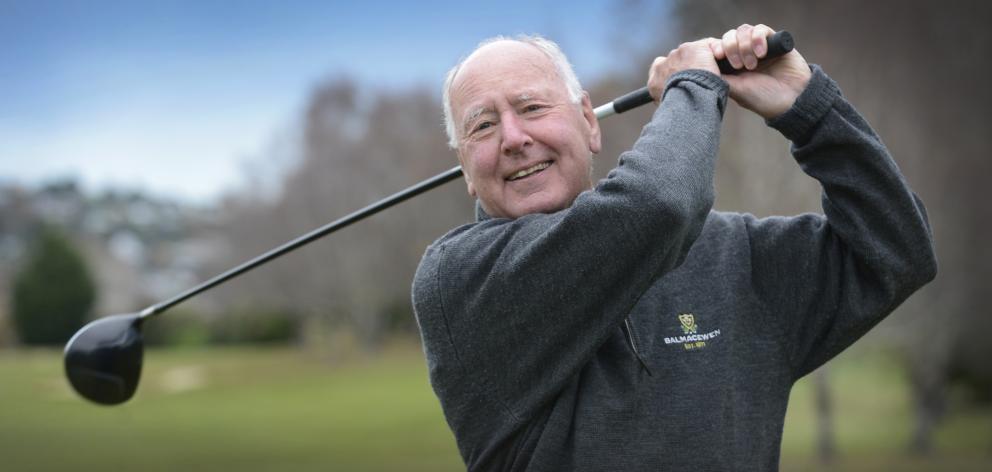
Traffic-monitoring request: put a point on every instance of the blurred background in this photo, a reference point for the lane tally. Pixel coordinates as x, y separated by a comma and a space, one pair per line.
145, 146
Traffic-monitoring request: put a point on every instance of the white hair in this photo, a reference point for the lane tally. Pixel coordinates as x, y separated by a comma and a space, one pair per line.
546, 46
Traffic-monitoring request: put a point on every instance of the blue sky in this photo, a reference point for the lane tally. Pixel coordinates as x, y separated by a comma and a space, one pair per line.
175, 96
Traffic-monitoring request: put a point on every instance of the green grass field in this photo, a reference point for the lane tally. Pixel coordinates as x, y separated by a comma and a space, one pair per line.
284, 409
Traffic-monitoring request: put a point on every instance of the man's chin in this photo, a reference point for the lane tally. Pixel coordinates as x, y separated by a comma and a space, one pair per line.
539, 206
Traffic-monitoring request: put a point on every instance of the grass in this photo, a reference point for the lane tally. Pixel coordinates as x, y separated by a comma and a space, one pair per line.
873, 423
286, 409
230, 409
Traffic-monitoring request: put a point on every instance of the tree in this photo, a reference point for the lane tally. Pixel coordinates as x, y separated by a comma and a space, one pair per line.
354, 148
53, 293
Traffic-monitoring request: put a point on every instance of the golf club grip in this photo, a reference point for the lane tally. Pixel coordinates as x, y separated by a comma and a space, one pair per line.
779, 44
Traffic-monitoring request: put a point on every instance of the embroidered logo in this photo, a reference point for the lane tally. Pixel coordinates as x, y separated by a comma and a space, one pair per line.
690, 340
688, 323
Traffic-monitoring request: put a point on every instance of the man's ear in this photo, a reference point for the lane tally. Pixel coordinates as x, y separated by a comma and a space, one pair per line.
595, 138
468, 183
468, 180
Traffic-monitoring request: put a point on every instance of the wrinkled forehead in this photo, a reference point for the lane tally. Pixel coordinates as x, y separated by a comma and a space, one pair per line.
502, 70
503, 60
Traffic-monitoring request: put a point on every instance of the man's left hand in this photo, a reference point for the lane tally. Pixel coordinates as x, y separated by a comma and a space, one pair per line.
768, 89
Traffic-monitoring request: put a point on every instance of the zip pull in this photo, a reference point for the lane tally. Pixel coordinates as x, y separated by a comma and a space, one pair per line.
625, 327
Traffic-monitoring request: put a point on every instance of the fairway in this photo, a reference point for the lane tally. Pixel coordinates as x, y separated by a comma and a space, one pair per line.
229, 409
284, 409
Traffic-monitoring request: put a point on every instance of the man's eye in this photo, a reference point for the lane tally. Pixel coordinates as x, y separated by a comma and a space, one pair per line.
532, 107
483, 125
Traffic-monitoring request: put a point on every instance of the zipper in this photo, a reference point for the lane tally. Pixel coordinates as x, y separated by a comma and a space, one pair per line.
628, 332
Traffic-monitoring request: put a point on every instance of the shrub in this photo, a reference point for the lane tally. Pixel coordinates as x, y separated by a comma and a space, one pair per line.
254, 325
178, 327
53, 292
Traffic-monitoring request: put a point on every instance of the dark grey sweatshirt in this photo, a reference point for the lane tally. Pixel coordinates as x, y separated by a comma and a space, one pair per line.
523, 321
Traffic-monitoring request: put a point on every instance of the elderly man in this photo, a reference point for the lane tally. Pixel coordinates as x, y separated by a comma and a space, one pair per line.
626, 325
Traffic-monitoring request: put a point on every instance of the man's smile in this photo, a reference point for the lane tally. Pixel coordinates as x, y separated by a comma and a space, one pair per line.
527, 172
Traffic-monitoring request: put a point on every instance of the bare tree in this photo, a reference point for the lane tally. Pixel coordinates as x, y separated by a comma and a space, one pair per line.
356, 148
826, 445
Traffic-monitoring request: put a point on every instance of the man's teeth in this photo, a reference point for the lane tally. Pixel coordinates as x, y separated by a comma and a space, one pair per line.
530, 170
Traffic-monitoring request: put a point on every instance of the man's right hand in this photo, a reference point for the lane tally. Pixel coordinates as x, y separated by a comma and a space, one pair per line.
694, 55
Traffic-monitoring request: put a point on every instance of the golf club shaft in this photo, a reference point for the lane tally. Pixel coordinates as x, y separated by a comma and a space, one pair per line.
410, 192
778, 44
437, 180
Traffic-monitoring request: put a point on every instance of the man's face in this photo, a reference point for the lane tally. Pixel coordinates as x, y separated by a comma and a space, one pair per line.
524, 146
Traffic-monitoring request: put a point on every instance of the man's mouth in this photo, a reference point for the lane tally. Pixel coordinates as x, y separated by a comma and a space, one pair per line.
529, 171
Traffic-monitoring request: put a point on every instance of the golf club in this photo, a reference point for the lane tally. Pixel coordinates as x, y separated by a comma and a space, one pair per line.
103, 359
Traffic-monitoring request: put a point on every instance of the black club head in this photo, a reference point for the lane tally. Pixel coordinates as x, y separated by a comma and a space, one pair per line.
103, 359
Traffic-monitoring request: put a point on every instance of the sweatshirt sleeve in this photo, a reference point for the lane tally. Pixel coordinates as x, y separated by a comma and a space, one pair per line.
827, 279
515, 308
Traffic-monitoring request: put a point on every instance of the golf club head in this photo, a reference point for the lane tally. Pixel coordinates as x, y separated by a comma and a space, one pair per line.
103, 359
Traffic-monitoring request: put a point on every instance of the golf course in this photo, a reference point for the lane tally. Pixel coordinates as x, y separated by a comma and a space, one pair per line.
281, 408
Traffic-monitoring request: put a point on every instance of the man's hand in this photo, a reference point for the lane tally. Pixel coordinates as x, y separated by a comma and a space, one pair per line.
769, 89
694, 55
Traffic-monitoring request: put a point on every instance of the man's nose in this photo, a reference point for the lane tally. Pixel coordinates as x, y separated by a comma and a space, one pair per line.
515, 135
